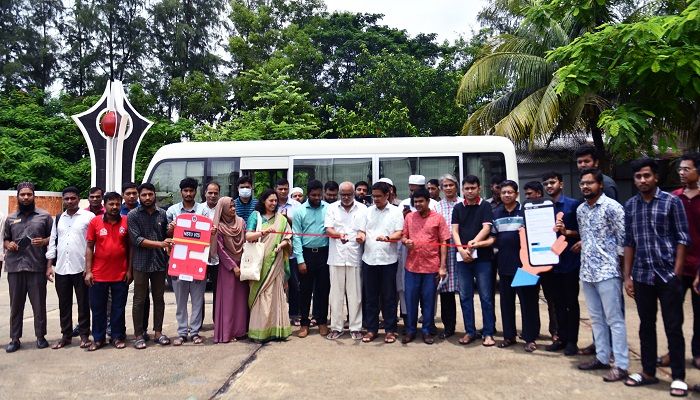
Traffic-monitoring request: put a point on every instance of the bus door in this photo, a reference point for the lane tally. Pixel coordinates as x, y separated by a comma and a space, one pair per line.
264, 171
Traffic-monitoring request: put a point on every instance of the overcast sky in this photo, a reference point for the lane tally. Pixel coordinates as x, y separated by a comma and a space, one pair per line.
447, 18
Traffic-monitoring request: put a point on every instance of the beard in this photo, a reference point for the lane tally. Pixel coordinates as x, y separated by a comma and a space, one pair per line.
590, 195
28, 208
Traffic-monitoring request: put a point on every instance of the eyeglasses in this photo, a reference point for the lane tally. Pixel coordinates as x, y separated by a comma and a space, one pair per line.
685, 170
586, 183
346, 194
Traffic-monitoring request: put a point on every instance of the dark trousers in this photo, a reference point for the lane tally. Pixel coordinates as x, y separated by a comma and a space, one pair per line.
157, 283
448, 311
99, 294
294, 293
529, 309
316, 283
65, 286
670, 295
695, 301
379, 282
566, 288
212, 276
22, 284
548, 287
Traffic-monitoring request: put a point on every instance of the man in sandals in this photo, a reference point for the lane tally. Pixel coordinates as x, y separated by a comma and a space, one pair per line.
601, 222
379, 231
107, 272
150, 245
67, 249
186, 290
656, 237
423, 229
344, 261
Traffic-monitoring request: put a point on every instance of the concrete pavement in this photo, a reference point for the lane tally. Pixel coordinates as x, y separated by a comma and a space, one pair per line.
313, 367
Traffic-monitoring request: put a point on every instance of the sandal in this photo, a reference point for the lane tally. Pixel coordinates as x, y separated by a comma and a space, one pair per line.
196, 339
140, 344
530, 347
178, 341
679, 388
61, 344
96, 345
488, 341
506, 343
369, 337
390, 337
163, 340
640, 380
85, 343
466, 339
119, 344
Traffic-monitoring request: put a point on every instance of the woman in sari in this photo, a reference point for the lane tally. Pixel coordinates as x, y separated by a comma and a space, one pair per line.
269, 312
231, 312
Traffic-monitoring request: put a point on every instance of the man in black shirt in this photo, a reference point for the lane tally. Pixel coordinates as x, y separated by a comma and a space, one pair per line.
471, 227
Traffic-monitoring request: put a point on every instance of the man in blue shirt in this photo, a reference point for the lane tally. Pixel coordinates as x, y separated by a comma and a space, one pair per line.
312, 258
245, 203
565, 274
656, 237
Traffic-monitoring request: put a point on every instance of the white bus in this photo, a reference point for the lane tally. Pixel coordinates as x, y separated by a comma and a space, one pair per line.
366, 159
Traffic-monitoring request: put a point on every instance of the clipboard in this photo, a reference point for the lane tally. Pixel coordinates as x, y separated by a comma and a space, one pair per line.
539, 221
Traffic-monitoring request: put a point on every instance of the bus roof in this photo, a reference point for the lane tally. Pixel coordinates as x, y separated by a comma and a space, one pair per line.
356, 146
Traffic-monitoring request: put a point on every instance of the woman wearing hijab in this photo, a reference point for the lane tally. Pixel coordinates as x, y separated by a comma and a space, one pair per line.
269, 312
231, 312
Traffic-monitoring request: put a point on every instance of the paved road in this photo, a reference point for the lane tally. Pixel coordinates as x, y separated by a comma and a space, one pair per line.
309, 368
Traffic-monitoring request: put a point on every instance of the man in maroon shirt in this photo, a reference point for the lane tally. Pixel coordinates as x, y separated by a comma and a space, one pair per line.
690, 196
106, 272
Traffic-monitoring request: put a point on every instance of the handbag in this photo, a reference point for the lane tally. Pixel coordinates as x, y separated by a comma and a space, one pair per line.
253, 256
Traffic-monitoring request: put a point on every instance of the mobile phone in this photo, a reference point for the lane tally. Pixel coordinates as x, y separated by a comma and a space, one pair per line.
407, 208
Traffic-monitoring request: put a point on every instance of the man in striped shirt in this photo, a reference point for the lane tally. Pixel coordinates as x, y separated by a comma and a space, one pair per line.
448, 286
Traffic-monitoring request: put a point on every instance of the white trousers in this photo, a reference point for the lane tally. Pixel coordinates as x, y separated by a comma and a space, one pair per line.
346, 281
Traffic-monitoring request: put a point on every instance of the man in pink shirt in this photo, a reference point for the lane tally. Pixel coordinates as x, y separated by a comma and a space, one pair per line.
423, 230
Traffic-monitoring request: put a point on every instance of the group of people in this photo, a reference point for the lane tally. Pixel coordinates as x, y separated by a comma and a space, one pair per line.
357, 250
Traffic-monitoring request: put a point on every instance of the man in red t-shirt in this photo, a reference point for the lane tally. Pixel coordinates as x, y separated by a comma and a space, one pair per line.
423, 229
106, 272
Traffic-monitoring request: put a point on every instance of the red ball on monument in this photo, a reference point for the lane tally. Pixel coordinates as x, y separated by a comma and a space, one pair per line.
108, 124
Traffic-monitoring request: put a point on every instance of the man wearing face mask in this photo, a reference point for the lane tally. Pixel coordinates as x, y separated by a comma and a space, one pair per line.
25, 238
245, 203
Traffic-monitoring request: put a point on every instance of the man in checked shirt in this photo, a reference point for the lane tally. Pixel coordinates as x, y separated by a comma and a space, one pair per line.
656, 237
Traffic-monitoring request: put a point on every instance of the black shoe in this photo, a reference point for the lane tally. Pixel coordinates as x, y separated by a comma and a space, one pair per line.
428, 338
571, 350
146, 337
593, 365
41, 343
555, 346
446, 334
408, 338
76, 331
13, 346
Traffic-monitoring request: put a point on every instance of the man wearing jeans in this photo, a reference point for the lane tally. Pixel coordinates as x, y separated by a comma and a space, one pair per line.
148, 233
471, 227
106, 272
601, 222
422, 229
656, 237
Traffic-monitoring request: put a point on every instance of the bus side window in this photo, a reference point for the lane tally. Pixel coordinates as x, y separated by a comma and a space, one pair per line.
225, 173
166, 178
336, 169
398, 169
484, 166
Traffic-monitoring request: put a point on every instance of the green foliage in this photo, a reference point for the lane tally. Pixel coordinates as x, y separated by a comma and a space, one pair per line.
652, 69
278, 110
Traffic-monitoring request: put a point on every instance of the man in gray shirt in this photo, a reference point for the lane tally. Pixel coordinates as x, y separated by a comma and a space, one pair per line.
25, 238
